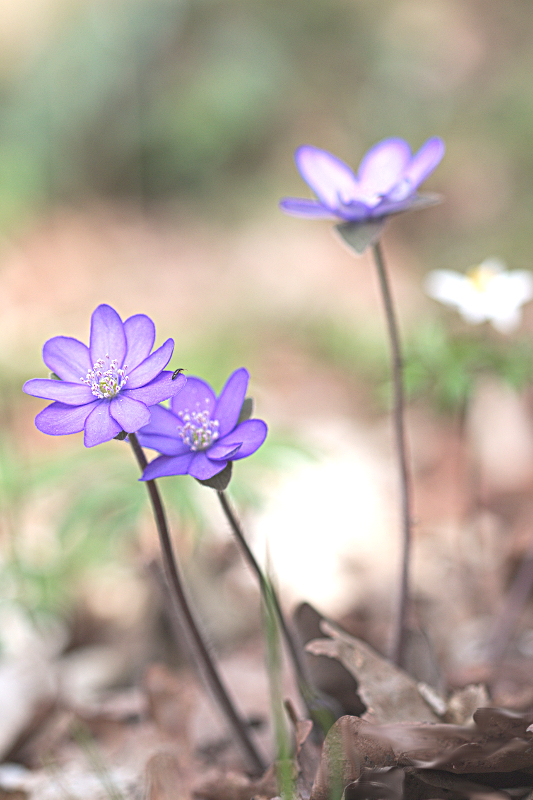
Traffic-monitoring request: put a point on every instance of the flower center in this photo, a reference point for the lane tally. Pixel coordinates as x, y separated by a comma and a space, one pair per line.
106, 383
480, 277
368, 199
199, 431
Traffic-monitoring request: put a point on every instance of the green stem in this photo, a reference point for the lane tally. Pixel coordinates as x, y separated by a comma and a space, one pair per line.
237, 724
400, 622
316, 705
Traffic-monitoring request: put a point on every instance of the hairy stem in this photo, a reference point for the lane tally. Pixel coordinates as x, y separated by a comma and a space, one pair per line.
237, 724
314, 703
399, 626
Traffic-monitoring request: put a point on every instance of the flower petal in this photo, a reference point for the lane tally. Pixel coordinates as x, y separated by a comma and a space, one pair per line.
221, 451
401, 199
514, 287
330, 178
383, 166
151, 366
508, 321
161, 433
107, 335
163, 444
300, 207
251, 434
129, 413
161, 388
140, 338
354, 211
165, 465
100, 426
202, 468
425, 161
67, 357
59, 419
196, 395
504, 296
229, 404
73, 394
447, 286
162, 422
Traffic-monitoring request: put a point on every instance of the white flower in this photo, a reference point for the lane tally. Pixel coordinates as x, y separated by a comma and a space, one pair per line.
486, 292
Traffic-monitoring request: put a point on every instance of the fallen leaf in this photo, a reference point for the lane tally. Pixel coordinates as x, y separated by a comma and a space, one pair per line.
497, 747
220, 785
389, 693
164, 779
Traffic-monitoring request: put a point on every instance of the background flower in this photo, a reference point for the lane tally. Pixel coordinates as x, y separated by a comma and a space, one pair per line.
386, 182
109, 386
486, 292
199, 434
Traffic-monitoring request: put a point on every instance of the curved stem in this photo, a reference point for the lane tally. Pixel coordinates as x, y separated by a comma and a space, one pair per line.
313, 701
177, 592
399, 628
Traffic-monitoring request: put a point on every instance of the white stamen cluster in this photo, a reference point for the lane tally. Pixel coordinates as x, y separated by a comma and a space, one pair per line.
400, 191
199, 430
106, 383
369, 200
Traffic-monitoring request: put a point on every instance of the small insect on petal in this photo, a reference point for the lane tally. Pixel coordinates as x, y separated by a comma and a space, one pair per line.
199, 434
177, 372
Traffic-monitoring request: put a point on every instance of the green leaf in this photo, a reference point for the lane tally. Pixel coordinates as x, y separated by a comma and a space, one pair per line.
219, 481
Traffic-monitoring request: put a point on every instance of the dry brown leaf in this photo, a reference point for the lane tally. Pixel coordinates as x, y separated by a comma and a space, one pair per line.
351, 746
43, 737
307, 756
236, 786
499, 743
26, 683
170, 699
458, 785
377, 784
388, 692
165, 779
327, 675
463, 703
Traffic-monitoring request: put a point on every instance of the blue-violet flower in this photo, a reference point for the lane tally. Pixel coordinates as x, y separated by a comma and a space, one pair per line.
386, 182
108, 387
199, 433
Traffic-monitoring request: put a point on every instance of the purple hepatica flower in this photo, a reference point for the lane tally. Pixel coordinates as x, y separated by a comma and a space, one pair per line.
109, 386
199, 434
386, 182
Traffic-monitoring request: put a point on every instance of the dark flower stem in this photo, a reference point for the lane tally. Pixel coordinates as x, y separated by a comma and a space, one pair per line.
308, 693
238, 725
399, 627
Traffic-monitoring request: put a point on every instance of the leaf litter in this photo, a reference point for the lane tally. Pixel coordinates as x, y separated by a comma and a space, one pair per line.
140, 744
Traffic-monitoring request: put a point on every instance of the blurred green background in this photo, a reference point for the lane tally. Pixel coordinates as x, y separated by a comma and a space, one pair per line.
144, 145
